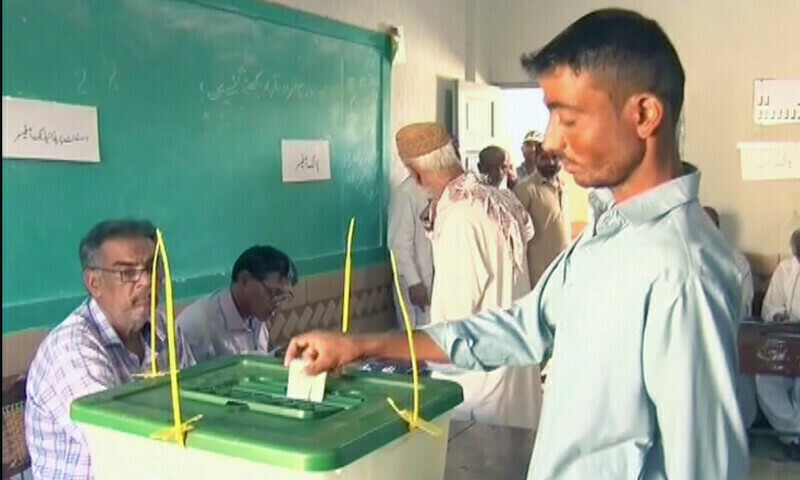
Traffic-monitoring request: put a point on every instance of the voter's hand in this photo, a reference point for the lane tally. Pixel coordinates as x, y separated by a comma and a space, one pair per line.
325, 351
419, 296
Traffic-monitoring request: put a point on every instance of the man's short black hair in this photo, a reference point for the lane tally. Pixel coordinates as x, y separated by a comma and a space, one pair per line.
632, 48
488, 154
110, 229
261, 260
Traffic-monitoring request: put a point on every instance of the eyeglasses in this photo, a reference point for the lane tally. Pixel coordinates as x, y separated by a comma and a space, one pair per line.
130, 274
278, 295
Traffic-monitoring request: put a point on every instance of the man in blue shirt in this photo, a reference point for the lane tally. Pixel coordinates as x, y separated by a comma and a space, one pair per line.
640, 313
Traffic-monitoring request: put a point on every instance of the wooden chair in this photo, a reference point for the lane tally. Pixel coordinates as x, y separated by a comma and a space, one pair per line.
15, 453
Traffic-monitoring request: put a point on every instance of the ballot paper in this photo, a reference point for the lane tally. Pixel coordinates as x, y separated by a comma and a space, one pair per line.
302, 386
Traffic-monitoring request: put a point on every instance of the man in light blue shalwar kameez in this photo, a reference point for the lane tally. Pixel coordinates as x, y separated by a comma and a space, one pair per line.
640, 313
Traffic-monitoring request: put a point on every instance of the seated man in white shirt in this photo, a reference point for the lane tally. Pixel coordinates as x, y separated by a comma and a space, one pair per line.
779, 396
235, 320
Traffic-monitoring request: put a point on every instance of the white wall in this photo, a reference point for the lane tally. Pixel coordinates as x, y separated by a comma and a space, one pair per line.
436, 50
724, 45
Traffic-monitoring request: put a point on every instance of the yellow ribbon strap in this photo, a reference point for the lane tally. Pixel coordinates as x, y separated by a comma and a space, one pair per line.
348, 274
423, 425
180, 428
412, 418
177, 433
153, 315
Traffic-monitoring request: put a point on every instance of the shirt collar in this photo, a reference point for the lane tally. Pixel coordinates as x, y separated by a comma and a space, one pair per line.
230, 314
652, 203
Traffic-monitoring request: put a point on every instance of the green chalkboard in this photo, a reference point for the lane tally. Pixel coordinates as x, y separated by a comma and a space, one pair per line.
193, 99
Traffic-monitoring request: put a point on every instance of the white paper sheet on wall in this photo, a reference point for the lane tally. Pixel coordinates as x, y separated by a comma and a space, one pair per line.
776, 101
305, 160
770, 160
35, 129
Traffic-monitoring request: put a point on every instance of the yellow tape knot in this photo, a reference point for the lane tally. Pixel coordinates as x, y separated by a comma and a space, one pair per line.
417, 422
177, 433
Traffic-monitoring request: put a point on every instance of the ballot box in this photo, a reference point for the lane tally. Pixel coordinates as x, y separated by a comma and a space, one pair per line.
250, 430
769, 348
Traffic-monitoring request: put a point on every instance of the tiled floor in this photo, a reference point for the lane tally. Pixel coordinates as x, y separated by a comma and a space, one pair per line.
768, 460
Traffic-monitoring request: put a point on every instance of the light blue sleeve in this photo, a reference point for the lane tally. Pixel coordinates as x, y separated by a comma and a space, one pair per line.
690, 364
518, 336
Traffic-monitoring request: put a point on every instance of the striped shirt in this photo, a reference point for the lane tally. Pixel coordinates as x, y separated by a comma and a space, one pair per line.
82, 355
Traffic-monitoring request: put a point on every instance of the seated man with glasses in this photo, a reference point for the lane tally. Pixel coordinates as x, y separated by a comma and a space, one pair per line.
234, 320
105, 342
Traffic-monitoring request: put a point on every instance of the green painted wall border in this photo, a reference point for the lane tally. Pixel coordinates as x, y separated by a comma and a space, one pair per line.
39, 314
46, 313
297, 19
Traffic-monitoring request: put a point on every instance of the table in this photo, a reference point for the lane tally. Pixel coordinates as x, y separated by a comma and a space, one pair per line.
479, 451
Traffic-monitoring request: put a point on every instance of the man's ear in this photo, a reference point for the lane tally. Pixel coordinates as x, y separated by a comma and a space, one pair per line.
91, 280
244, 278
649, 114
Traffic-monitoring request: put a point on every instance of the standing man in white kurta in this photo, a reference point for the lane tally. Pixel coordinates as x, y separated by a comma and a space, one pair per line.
479, 238
409, 209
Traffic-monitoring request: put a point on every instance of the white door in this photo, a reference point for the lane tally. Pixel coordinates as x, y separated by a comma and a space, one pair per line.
479, 120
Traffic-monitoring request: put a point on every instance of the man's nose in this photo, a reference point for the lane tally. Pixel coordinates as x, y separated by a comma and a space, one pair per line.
554, 135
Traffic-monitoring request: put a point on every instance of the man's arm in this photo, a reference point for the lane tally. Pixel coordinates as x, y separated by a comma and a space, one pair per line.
520, 335
328, 351
690, 364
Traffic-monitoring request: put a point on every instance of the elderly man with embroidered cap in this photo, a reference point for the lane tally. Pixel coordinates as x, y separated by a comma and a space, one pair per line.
479, 239
640, 314
105, 342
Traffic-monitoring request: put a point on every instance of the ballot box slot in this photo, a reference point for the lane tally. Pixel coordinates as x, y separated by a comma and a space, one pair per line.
269, 397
